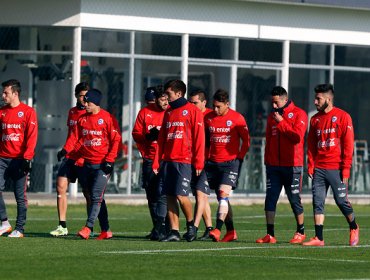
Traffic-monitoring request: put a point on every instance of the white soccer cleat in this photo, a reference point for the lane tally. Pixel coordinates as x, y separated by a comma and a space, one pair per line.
16, 234
5, 229
59, 231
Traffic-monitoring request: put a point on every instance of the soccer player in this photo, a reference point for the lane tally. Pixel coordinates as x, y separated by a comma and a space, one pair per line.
145, 133
330, 149
180, 145
96, 137
71, 164
199, 184
285, 132
17, 148
226, 129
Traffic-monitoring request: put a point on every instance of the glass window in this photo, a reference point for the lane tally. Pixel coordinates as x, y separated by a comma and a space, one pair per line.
253, 93
36, 38
208, 79
111, 77
212, 48
309, 53
301, 85
352, 56
258, 50
105, 41
157, 44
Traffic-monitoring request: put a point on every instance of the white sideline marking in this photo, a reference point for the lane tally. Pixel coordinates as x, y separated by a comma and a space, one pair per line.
143, 252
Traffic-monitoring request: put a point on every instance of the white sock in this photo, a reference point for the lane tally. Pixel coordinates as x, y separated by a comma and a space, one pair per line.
5, 223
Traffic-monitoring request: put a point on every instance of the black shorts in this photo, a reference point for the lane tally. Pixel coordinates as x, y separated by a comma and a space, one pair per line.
69, 170
222, 173
199, 183
174, 178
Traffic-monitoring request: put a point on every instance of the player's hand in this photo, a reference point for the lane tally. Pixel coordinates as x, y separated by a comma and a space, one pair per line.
277, 116
310, 175
155, 171
61, 154
346, 181
108, 167
152, 135
198, 171
26, 166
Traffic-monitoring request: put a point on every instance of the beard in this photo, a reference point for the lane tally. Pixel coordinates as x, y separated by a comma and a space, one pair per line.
323, 107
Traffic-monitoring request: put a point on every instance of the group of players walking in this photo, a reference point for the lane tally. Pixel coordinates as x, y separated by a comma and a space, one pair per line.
185, 147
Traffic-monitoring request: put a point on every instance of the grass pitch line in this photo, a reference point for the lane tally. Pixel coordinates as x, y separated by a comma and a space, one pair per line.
299, 259
144, 252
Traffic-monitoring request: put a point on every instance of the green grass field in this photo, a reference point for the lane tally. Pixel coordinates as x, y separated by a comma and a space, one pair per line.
130, 256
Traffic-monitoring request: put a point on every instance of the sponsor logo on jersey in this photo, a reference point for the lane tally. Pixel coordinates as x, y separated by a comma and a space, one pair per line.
72, 123
175, 135
10, 125
221, 139
169, 124
100, 121
91, 132
13, 137
318, 132
219, 129
20, 114
93, 142
327, 143
290, 115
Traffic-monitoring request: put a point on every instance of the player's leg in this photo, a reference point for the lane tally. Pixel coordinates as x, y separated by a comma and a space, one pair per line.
5, 225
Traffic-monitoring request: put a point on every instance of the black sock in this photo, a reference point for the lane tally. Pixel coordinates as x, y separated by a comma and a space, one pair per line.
91, 228
319, 232
191, 223
300, 228
209, 229
271, 229
229, 225
353, 225
63, 224
219, 224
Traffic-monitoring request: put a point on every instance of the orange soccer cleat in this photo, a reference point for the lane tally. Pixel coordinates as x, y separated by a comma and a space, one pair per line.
314, 241
215, 234
354, 236
298, 238
267, 239
84, 233
105, 235
230, 236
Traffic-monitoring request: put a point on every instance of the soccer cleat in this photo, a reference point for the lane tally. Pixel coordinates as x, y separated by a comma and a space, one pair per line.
105, 235
191, 234
297, 238
84, 233
59, 231
267, 239
230, 236
354, 236
205, 235
215, 234
314, 241
5, 229
171, 237
16, 234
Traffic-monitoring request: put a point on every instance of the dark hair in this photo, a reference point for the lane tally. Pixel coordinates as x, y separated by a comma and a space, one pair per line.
221, 95
14, 84
325, 88
200, 93
176, 85
278, 90
159, 92
81, 87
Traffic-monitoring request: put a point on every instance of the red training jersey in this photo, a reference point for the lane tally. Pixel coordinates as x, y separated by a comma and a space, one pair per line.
147, 118
181, 138
225, 133
96, 137
18, 131
206, 148
285, 140
330, 141
73, 115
